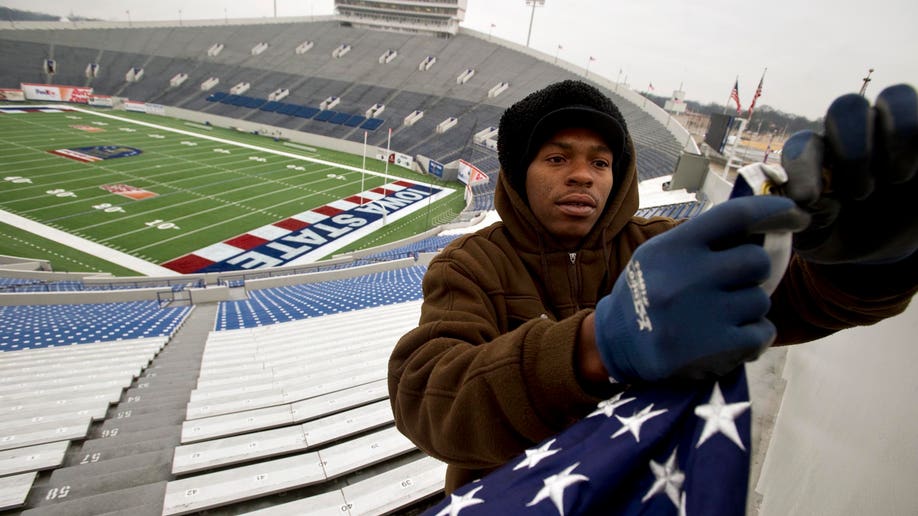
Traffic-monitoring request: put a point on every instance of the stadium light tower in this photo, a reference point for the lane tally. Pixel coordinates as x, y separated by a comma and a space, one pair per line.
534, 4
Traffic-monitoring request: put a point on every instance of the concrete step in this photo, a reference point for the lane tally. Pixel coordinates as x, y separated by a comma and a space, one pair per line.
66, 484
102, 450
145, 500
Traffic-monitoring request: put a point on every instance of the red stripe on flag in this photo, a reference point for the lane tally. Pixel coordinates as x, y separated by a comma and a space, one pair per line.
383, 191
188, 264
246, 241
406, 184
291, 224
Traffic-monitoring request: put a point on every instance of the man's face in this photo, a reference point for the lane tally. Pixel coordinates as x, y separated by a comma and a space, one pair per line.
568, 183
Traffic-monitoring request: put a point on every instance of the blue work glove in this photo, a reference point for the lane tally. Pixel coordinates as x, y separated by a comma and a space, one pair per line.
858, 180
689, 303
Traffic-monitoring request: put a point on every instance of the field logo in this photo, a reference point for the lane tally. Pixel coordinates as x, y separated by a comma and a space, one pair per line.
88, 128
97, 152
131, 192
314, 234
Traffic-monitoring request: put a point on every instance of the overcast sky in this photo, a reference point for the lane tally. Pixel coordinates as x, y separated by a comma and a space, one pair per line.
814, 50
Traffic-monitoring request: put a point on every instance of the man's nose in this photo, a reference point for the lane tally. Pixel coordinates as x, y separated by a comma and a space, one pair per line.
580, 173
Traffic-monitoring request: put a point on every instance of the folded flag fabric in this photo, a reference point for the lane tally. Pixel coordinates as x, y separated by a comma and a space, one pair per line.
661, 449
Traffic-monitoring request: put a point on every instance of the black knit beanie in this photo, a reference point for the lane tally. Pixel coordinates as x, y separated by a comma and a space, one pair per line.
527, 124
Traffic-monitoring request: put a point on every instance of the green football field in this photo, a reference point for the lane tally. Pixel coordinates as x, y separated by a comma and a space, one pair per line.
159, 188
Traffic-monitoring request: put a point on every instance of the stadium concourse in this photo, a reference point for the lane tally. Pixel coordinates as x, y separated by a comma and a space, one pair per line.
264, 392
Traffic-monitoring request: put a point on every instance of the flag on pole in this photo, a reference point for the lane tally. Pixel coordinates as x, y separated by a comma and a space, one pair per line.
650, 86
758, 93
734, 95
592, 58
670, 449
560, 47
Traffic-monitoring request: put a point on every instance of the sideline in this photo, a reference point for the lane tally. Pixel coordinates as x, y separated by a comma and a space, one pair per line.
87, 246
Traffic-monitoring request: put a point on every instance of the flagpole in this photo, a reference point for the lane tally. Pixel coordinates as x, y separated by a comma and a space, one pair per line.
388, 145
757, 94
730, 97
363, 168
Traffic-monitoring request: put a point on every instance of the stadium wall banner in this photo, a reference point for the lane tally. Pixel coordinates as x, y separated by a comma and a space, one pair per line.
313, 234
12, 95
137, 107
101, 101
396, 158
435, 168
155, 109
50, 92
470, 174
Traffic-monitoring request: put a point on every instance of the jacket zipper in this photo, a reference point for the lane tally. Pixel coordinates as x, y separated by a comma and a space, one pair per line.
575, 280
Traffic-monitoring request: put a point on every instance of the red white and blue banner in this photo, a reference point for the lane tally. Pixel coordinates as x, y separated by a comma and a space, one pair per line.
314, 234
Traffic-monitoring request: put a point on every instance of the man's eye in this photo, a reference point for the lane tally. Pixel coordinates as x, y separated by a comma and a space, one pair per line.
601, 163
555, 159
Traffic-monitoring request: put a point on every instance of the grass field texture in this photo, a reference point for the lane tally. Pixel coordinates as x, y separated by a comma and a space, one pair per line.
182, 191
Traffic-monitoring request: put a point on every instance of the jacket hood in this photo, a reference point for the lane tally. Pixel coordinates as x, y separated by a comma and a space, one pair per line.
530, 235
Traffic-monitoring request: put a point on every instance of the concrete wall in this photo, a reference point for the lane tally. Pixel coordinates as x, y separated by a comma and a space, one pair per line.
844, 438
80, 297
298, 137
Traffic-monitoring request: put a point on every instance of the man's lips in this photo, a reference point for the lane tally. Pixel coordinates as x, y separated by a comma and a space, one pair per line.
576, 205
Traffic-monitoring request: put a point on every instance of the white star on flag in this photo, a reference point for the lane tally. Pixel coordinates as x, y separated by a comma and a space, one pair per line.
669, 480
608, 406
457, 503
720, 416
555, 485
586, 469
534, 456
633, 423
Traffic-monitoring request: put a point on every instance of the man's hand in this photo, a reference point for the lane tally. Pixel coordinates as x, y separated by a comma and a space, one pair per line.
689, 303
858, 180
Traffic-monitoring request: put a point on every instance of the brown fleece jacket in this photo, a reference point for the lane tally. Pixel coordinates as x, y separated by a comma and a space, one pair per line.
490, 370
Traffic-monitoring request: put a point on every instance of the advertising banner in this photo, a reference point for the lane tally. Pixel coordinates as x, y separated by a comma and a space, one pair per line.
11, 95
396, 158
470, 174
53, 93
435, 168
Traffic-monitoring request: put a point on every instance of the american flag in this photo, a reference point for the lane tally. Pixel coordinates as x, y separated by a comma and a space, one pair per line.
758, 93
734, 95
672, 449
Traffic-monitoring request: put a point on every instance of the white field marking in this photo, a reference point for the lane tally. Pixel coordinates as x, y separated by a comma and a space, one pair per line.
230, 142
87, 246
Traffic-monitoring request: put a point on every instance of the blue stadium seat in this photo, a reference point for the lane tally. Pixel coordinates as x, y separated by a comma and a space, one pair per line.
325, 115
372, 124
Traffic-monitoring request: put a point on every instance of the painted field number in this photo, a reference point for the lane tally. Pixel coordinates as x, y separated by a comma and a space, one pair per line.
161, 224
60, 192
108, 208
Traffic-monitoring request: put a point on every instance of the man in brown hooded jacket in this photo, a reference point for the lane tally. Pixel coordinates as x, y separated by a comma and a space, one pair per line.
513, 345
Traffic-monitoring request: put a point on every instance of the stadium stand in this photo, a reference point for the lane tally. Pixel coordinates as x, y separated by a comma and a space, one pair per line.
358, 79
275, 402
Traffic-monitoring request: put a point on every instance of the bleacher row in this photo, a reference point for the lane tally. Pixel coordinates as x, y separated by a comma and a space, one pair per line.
37, 326
313, 391
321, 115
683, 210
51, 396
